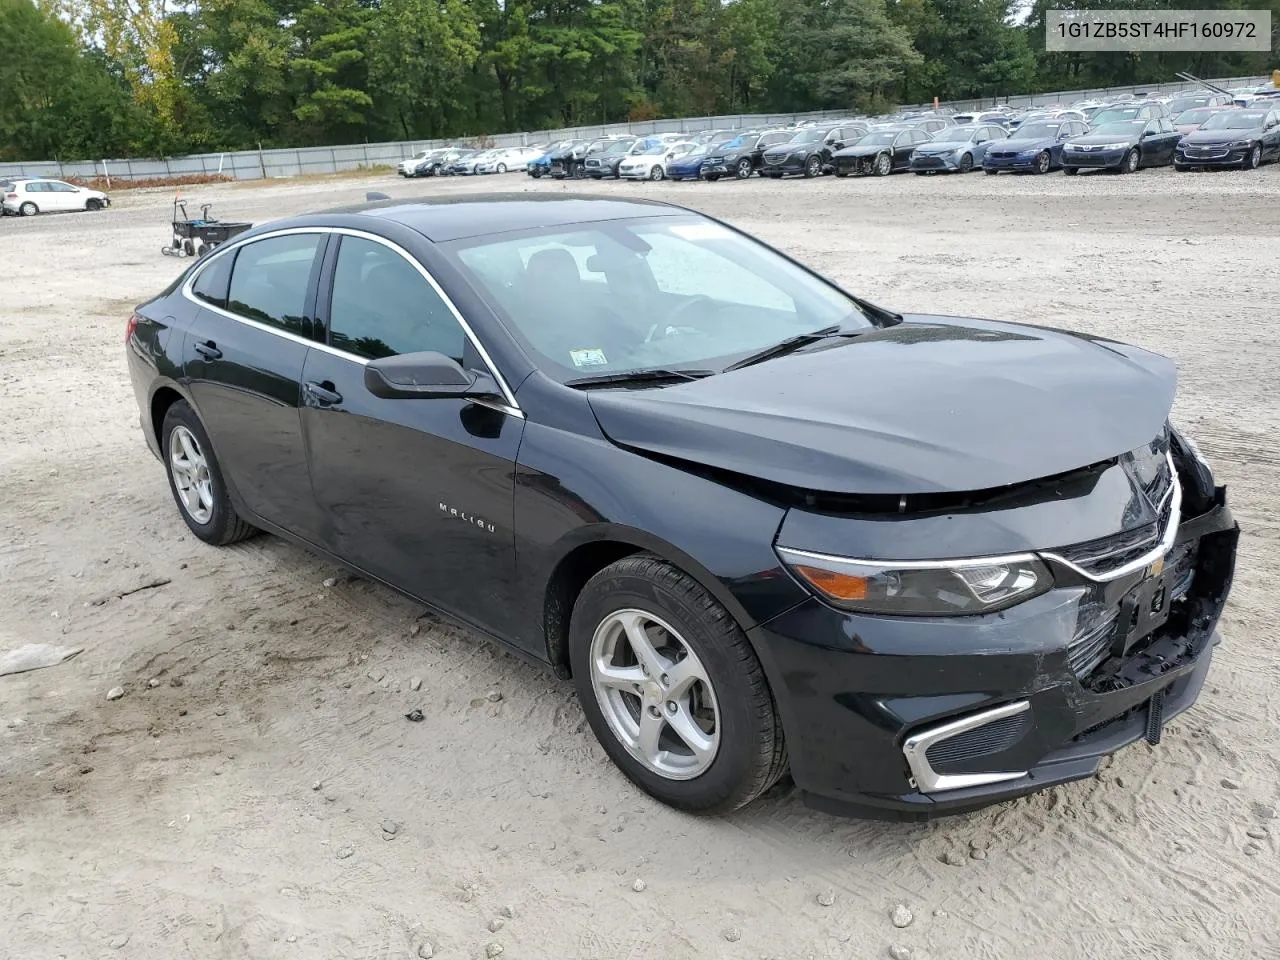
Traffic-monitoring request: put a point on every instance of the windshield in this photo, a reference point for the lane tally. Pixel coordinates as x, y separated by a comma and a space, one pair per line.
1186, 103
884, 138
1198, 115
809, 136
1038, 131
620, 146
1117, 113
661, 293
1234, 120
1121, 128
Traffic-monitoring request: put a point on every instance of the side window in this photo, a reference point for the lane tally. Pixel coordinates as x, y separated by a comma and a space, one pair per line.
270, 279
382, 306
212, 282
58, 187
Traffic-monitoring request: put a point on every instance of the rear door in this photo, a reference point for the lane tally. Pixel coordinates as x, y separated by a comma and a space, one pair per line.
418, 492
243, 356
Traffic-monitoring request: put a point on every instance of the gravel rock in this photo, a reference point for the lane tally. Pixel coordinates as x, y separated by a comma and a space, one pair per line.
153, 682
493, 696
496, 924
899, 952
415, 630
978, 853
115, 693
1230, 784
330, 795
344, 852
291, 938
952, 858
493, 950
731, 934
331, 581
317, 785
390, 827
1264, 811
901, 916
426, 951
415, 684
1252, 850
940, 913
508, 911
826, 898
1257, 833
376, 675
220, 712
639, 886
118, 943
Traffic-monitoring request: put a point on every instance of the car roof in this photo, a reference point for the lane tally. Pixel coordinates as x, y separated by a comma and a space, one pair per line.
452, 218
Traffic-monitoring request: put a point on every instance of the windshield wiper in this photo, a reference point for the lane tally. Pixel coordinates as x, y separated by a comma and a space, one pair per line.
638, 376
791, 344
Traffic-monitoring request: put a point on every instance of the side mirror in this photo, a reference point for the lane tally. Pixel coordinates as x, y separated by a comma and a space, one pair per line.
838, 145
417, 376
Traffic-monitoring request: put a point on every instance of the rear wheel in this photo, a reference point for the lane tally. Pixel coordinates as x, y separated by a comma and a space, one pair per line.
966, 163
28, 209
196, 480
813, 167
672, 688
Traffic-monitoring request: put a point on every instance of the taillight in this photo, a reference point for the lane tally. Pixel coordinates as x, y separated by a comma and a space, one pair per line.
132, 326
11, 196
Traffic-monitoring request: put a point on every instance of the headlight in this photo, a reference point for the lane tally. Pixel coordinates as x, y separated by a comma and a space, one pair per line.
1115, 146
797, 155
1239, 145
934, 588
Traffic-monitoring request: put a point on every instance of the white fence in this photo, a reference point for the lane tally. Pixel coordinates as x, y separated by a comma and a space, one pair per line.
294, 162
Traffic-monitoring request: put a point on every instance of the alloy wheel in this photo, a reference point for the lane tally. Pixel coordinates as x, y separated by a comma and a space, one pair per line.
655, 694
1042, 162
883, 165
191, 474
501, 168
1255, 157
744, 169
656, 173
1131, 161
28, 209
966, 163
813, 167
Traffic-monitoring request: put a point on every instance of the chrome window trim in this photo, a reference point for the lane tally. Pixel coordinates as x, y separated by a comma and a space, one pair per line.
510, 407
928, 780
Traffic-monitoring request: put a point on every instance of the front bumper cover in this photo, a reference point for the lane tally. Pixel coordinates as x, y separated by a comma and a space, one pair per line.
854, 690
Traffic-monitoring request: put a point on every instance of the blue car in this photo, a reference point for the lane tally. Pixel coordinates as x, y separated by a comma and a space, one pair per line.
957, 149
1035, 148
689, 167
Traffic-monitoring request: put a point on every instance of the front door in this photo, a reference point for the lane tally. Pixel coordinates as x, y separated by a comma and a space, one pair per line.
243, 359
418, 492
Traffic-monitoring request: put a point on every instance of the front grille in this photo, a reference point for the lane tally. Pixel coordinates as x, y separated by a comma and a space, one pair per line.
773, 159
593, 163
927, 162
1003, 154
1095, 627
995, 737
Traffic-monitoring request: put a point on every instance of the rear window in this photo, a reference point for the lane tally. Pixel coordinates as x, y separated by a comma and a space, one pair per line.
270, 279
211, 283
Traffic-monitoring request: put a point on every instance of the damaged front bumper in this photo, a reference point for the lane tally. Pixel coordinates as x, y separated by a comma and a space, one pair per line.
912, 717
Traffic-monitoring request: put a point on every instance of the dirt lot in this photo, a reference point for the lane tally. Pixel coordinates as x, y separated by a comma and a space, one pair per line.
235, 809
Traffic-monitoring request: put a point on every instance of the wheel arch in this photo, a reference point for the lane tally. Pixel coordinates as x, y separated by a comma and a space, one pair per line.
163, 396
589, 552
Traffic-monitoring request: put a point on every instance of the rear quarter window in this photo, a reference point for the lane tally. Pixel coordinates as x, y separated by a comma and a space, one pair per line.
212, 281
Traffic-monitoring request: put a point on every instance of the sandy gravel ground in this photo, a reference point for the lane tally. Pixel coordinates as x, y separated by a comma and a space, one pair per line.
236, 808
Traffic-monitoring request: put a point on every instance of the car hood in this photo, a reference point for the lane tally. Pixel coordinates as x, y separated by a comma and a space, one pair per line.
1026, 143
1095, 138
1211, 137
931, 405
943, 146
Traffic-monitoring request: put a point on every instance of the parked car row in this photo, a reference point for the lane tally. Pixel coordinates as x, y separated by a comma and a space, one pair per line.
465, 161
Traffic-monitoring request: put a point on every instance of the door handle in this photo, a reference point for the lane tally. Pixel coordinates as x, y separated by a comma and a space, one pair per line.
321, 393
209, 350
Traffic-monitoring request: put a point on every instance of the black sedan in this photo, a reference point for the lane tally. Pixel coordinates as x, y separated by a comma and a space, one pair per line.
880, 152
744, 154
1123, 146
763, 524
1234, 138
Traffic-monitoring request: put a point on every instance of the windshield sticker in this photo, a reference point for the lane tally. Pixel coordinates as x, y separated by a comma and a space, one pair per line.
699, 231
588, 358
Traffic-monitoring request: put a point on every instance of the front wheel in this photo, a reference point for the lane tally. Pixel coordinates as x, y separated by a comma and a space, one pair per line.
966, 163
812, 167
1070, 171
1044, 162
579, 172
990, 173
196, 479
535, 173
883, 165
93, 203
657, 173
500, 168
744, 169
1130, 162
672, 688
1255, 157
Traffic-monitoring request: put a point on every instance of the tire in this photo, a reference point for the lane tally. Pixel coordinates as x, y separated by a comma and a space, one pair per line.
579, 172
536, 173
1130, 162
744, 169
990, 173
966, 163
28, 209
1044, 162
500, 168
222, 525
1071, 171
657, 173
841, 172
750, 755
883, 165
812, 167
1255, 158
92, 204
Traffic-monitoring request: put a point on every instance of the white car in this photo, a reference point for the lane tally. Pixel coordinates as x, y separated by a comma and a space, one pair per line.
407, 168
507, 159
29, 197
652, 164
